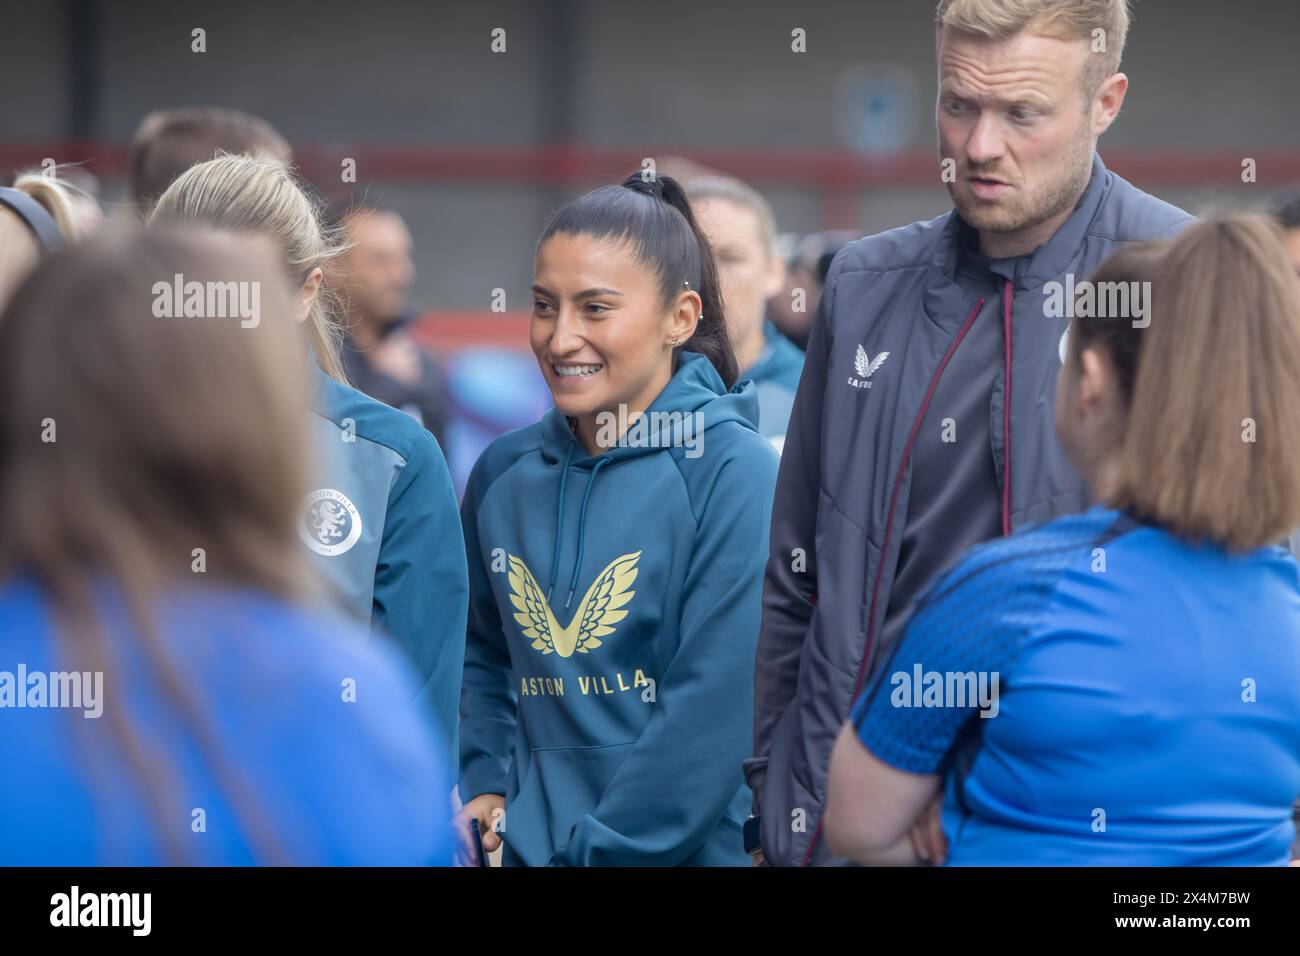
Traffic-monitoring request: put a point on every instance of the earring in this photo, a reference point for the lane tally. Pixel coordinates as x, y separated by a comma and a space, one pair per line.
675, 341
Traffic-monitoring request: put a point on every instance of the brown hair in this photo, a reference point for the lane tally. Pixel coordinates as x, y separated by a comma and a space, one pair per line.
1209, 449
1067, 19
168, 142
1115, 332
169, 435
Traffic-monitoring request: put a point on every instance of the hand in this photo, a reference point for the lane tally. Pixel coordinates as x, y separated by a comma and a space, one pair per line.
486, 808
757, 858
928, 841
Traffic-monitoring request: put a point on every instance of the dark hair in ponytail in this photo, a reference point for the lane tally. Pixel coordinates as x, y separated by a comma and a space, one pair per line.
655, 216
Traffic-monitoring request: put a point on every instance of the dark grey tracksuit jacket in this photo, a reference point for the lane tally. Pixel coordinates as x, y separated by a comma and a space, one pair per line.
845, 472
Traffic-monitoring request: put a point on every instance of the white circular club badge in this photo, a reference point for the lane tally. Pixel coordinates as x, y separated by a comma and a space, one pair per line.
329, 523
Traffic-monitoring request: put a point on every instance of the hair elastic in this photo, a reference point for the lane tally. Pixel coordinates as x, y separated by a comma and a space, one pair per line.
38, 220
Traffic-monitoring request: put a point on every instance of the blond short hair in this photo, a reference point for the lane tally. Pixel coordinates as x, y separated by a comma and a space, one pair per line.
1065, 19
701, 189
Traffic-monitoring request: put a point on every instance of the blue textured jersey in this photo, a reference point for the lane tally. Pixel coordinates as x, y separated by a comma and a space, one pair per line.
1099, 692
289, 741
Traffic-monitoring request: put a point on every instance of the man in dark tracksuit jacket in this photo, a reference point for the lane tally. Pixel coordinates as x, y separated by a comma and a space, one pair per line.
913, 330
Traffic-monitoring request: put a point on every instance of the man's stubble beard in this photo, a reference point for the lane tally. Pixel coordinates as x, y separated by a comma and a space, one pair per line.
1060, 194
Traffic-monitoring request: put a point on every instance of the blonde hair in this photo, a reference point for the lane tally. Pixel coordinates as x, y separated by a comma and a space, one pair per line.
704, 188
1210, 444
259, 194
20, 250
1066, 19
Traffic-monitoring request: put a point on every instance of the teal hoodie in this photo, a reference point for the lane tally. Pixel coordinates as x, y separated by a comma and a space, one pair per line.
776, 375
382, 528
614, 614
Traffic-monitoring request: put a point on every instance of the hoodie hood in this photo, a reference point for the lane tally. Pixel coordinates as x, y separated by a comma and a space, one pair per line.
694, 393
694, 400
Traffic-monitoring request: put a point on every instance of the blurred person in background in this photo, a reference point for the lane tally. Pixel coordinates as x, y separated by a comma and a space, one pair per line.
923, 422
37, 215
168, 142
491, 390
805, 277
741, 229
373, 278
1286, 213
1143, 658
382, 523
172, 711
615, 573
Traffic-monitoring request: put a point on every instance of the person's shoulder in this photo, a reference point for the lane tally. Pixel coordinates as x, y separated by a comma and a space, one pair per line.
905, 247
311, 648
733, 462
739, 445
1131, 215
1029, 562
276, 658
789, 362
20, 597
25, 616
369, 419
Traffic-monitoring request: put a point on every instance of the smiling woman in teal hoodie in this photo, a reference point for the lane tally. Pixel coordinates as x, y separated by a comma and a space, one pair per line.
616, 551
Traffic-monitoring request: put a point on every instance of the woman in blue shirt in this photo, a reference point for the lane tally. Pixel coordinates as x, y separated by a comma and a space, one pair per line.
1121, 687
166, 694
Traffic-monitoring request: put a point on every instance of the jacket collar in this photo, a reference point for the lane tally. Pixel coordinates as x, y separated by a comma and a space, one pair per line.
1046, 263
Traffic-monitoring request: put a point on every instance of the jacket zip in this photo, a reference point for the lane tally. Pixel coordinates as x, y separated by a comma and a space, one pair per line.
1007, 295
889, 524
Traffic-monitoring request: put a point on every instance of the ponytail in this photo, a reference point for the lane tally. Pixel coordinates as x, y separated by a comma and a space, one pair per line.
711, 338
655, 216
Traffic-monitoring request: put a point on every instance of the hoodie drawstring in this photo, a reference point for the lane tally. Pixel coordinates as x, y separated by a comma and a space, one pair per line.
559, 522
582, 528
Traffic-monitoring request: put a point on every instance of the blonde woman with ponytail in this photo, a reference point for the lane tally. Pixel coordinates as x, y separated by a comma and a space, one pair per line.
380, 518
37, 215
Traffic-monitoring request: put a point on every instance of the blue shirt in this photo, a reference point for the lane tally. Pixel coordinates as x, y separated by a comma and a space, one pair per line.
337, 781
1147, 706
